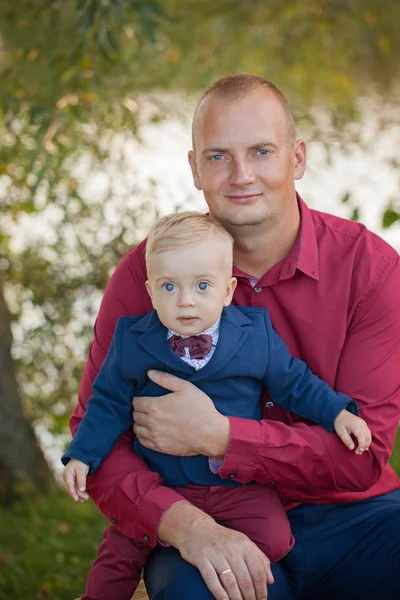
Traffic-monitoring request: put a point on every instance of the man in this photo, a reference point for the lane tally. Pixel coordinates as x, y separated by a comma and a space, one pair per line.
333, 291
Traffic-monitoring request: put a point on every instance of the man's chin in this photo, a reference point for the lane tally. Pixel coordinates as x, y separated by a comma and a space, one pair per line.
243, 220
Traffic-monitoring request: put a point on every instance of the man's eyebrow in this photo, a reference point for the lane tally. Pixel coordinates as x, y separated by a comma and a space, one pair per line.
256, 146
215, 150
259, 145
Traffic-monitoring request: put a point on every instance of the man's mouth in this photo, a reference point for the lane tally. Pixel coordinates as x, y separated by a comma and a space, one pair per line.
243, 198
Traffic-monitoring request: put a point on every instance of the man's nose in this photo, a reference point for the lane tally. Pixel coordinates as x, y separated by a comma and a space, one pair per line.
241, 173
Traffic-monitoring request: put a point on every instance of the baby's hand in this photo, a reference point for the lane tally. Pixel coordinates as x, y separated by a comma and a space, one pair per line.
75, 479
345, 424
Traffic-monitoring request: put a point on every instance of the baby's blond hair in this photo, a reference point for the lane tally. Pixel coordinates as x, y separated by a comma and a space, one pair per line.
173, 231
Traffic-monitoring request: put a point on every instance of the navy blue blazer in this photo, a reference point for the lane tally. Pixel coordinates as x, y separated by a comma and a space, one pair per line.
249, 355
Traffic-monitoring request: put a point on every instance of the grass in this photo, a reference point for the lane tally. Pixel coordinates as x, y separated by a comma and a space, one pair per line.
48, 544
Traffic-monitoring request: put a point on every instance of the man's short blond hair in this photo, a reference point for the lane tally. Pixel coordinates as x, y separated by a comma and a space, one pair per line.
235, 87
182, 229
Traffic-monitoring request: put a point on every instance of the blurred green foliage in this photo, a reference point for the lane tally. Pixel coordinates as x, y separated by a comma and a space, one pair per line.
77, 74
47, 547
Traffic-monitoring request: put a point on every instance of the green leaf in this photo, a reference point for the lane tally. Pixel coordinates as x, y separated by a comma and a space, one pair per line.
389, 217
345, 198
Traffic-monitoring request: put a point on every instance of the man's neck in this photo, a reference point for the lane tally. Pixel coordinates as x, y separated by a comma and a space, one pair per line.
258, 249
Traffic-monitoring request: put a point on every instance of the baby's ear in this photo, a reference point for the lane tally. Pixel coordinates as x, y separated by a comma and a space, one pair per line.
230, 290
148, 288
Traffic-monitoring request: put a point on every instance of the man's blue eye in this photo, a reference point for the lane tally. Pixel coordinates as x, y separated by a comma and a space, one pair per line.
169, 287
263, 152
203, 285
217, 157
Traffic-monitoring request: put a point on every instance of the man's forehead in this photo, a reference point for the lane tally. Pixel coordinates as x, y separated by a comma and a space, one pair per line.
214, 115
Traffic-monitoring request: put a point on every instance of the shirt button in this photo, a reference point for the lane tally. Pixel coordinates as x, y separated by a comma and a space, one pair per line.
273, 482
146, 538
258, 289
232, 475
269, 404
114, 521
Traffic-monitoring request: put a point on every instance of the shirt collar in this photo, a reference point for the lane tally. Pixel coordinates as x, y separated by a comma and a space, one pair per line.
303, 254
308, 261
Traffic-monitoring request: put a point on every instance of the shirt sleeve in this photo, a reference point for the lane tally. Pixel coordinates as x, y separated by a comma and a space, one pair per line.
292, 385
126, 491
302, 459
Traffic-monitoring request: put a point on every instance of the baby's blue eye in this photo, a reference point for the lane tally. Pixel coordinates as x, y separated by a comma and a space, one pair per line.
202, 285
169, 287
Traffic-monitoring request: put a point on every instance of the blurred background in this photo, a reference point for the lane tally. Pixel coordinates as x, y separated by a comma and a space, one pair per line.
96, 98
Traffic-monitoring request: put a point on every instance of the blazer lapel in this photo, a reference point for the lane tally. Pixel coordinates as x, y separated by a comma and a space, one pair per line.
233, 332
154, 342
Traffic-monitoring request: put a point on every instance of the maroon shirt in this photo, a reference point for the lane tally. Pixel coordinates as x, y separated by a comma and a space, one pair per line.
335, 300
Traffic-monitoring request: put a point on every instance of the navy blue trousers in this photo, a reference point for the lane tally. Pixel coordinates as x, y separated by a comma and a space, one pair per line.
342, 552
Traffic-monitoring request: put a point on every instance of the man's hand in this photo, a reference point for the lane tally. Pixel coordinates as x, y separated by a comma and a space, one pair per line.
74, 476
232, 566
346, 424
183, 423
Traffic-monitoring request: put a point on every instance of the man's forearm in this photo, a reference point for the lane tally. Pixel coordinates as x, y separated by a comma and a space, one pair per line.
179, 521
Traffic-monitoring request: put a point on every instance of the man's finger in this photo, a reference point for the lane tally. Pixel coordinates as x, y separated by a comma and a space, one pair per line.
212, 581
241, 577
167, 381
141, 403
258, 574
230, 582
142, 435
141, 419
267, 565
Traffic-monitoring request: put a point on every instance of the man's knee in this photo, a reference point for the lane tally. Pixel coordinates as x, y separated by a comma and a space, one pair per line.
169, 577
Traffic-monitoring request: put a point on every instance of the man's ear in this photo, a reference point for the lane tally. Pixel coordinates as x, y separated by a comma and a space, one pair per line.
300, 159
193, 166
230, 290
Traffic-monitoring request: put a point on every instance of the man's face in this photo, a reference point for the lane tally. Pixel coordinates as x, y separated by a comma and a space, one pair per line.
244, 159
190, 285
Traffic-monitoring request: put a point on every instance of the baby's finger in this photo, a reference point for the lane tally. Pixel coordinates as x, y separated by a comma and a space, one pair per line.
345, 437
81, 481
83, 496
69, 481
364, 440
81, 484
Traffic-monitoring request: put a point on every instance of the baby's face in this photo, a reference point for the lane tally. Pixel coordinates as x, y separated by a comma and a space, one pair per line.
190, 285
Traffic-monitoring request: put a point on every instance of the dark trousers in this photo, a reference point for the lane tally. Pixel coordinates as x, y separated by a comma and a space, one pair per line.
342, 552
253, 509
